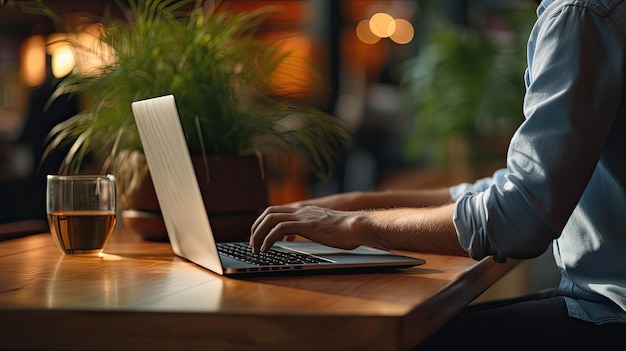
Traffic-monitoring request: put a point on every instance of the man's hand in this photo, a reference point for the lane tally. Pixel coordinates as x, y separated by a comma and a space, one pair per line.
329, 227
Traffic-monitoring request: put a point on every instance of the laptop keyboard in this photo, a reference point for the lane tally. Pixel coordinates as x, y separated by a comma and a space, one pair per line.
273, 257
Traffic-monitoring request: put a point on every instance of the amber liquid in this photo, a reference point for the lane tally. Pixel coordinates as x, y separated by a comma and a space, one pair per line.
81, 232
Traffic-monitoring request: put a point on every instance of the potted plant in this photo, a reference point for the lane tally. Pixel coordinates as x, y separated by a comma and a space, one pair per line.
220, 72
465, 89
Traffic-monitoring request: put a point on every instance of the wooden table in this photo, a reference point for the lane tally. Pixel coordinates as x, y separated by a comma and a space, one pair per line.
140, 296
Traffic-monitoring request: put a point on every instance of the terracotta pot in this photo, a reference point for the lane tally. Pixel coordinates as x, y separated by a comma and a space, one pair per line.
234, 190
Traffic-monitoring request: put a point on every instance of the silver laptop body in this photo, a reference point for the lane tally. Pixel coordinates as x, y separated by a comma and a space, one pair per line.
185, 216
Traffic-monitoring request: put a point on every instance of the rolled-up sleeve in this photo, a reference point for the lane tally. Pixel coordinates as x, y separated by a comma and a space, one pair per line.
575, 83
479, 185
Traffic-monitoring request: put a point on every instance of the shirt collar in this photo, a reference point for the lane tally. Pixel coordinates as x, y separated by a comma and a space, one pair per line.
542, 7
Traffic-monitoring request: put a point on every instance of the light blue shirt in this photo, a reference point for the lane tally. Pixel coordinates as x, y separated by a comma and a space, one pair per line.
565, 181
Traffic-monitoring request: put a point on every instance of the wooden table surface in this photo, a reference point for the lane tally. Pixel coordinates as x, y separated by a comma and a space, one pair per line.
140, 296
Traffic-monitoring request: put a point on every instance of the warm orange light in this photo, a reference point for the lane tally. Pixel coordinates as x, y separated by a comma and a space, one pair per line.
382, 25
364, 33
404, 32
62, 55
91, 52
55, 41
33, 61
63, 61
293, 76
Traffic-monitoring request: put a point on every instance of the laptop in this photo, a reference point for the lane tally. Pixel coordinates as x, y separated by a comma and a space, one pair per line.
187, 223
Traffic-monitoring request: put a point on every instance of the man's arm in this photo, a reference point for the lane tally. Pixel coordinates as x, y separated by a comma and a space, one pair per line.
410, 229
362, 200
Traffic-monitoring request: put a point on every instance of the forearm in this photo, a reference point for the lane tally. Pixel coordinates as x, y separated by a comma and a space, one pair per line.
410, 229
362, 200
405, 198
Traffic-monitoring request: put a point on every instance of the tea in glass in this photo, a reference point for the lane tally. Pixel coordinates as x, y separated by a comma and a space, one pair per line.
81, 211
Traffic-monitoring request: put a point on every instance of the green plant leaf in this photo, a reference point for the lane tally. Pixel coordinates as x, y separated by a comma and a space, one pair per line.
219, 72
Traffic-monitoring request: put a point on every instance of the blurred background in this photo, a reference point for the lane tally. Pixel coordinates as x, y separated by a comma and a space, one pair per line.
431, 91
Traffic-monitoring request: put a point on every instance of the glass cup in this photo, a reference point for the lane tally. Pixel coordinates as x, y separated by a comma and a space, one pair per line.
81, 211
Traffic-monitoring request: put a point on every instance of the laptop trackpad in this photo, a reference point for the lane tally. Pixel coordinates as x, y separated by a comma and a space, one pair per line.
318, 249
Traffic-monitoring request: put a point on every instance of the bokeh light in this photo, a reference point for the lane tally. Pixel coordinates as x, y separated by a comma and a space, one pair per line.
382, 25
404, 32
33, 61
62, 55
63, 61
364, 33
